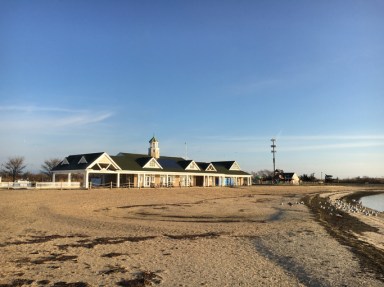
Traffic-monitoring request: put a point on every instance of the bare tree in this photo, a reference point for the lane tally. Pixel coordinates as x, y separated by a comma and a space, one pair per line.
14, 166
48, 165
261, 175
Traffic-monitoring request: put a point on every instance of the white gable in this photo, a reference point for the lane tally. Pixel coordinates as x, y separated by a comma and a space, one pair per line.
235, 166
152, 163
104, 162
210, 168
104, 158
65, 161
192, 166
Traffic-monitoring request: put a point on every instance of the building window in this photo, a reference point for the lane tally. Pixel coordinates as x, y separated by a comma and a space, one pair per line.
152, 163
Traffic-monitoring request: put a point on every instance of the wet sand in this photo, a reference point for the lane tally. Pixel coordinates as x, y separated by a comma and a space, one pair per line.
249, 236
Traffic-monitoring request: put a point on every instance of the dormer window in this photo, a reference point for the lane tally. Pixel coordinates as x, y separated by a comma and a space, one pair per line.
210, 168
82, 160
152, 163
65, 161
192, 166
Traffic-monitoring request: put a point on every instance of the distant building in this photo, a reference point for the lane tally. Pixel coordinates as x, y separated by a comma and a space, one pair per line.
150, 170
291, 178
285, 177
328, 178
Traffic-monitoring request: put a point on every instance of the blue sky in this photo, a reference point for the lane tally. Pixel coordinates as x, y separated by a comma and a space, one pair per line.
222, 76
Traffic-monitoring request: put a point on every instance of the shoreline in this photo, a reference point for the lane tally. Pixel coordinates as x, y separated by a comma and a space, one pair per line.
249, 236
349, 229
357, 196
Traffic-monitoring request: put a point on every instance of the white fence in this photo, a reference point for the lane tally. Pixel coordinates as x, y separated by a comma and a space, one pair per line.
57, 185
15, 185
40, 185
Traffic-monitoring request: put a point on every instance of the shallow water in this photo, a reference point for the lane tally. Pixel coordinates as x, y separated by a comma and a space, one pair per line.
374, 201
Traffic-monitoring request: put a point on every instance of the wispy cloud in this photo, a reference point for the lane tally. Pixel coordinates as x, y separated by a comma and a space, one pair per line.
82, 119
30, 118
333, 137
335, 146
250, 144
280, 137
32, 109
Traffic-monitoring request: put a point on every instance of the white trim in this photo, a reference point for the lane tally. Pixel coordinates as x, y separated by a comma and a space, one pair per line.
104, 158
192, 166
153, 163
235, 166
210, 167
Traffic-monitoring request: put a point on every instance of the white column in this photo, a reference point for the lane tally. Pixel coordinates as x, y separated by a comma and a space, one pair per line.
86, 179
118, 180
144, 179
54, 177
69, 177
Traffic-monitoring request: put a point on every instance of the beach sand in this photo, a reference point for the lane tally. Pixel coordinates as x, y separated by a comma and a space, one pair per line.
246, 236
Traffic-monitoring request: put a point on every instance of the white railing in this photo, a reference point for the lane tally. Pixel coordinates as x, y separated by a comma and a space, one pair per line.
40, 185
6, 184
57, 185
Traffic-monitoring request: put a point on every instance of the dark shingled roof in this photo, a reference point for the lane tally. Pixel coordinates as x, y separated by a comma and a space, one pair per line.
136, 162
73, 161
171, 163
288, 175
203, 165
131, 161
224, 166
184, 163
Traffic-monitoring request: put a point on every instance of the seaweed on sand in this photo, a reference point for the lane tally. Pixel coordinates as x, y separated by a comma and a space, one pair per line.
143, 278
91, 243
344, 229
193, 236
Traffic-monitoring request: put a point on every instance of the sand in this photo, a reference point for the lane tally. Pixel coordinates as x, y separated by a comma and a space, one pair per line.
248, 236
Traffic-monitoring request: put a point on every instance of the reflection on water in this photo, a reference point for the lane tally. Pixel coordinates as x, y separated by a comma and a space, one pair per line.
374, 201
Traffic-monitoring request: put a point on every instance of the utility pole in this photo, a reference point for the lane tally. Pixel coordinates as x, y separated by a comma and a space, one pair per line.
273, 146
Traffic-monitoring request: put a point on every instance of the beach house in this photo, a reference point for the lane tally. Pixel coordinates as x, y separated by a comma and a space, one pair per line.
149, 170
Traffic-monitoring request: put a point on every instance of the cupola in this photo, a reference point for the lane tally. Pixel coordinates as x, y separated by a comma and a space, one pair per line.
153, 149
